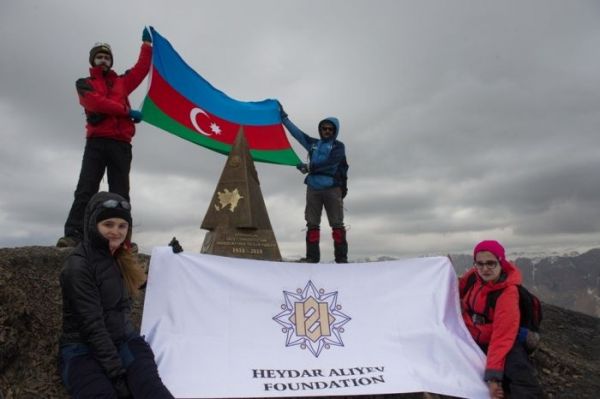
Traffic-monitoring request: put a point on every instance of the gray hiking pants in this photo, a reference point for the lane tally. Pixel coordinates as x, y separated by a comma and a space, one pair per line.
331, 200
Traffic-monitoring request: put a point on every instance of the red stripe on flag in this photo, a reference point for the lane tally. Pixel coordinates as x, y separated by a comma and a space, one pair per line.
192, 116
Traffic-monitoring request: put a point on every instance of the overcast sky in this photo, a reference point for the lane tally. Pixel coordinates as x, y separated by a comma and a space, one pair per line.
463, 120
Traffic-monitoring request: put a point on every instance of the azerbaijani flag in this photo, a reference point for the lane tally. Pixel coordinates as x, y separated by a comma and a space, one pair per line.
183, 103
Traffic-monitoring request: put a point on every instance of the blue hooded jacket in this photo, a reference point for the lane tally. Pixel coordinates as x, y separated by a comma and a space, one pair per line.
325, 155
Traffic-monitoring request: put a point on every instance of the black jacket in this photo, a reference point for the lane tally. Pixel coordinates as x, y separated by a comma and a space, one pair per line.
96, 303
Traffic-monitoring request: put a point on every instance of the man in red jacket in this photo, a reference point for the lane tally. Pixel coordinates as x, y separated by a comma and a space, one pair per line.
110, 128
496, 329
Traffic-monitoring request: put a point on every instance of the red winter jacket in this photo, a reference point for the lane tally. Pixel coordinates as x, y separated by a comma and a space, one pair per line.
104, 98
500, 333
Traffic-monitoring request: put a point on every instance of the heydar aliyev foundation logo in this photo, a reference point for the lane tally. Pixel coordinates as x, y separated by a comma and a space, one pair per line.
312, 319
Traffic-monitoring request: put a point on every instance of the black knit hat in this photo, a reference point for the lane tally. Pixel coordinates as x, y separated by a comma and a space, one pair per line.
118, 212
101, 48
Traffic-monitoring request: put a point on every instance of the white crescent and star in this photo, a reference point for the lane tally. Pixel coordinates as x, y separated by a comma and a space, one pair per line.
215, 129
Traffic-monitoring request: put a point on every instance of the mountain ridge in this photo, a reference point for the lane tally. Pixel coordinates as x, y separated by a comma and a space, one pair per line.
570, 281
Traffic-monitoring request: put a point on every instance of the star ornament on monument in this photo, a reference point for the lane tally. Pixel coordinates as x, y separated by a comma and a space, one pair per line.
312, 319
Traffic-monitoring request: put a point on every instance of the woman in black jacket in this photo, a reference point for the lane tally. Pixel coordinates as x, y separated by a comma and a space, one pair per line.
101, 355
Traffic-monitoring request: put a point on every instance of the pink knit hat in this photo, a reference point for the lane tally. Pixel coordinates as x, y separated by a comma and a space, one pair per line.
492, 246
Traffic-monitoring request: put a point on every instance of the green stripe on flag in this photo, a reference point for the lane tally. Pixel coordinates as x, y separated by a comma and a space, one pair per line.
282, 157
154, 116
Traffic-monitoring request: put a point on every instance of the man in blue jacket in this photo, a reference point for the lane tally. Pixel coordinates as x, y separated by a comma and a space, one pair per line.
325, 185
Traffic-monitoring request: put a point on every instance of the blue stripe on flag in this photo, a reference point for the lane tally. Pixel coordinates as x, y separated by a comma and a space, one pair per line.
196, 89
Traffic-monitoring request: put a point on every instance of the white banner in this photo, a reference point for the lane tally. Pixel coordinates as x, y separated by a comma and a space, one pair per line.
226, 328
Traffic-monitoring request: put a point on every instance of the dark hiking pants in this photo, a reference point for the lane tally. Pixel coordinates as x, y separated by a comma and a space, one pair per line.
520, 379
84, 378
99, 155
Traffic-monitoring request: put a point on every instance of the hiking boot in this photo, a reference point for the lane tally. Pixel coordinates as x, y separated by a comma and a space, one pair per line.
340, 245
313, 252
67, 242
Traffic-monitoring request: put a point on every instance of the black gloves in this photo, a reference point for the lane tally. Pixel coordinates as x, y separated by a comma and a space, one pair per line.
146, 36
302, 167
136, 116
121, 388
177, 248
281, 111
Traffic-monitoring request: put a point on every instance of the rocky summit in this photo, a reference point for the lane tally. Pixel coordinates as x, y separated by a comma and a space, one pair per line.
568, 360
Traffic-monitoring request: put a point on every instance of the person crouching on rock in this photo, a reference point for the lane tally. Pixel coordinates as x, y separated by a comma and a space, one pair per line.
101, 355
495, 329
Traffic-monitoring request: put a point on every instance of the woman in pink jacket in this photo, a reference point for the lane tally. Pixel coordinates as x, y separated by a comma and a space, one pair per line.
496, 328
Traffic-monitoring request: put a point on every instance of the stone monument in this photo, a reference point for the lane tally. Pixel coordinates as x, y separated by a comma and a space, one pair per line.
237, 220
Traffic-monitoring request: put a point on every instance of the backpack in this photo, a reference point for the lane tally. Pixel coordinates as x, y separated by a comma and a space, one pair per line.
342, 174
530, 306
